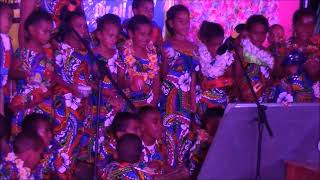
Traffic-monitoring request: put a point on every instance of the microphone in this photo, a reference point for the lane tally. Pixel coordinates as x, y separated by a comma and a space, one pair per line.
227, 45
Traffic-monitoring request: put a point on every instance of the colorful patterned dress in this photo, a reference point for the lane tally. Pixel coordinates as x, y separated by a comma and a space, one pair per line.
6, 55
72, 131
175, 100
40, 68
258, 64
11, 167
107, 150
299, 86
146, 69
159, 156
124, 171
108, 96
214, 84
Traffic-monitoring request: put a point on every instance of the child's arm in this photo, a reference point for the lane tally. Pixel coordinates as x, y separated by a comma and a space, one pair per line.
156, 90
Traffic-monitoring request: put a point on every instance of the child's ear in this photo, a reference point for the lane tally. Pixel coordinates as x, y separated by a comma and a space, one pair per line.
170, 23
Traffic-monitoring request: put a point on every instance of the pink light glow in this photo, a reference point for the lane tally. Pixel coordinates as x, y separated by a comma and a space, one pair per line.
286, 10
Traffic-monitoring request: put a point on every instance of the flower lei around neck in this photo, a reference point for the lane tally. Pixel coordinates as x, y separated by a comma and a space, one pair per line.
256, 55
214, 67
130, 61
24, 173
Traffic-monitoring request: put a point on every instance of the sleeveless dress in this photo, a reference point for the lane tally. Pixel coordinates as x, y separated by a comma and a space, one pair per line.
40, 67
72, 129
175, 105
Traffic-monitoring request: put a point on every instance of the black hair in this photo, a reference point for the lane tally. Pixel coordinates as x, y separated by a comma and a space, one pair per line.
4, 6
146, 109
298, 14
5, 128
31, 122
132, 154
25, 141
257, 19
136, 21
215, 112
209, 30
137, 3
276, 25
66, 17
120, 121
240, 28
171, 14
108, 19
36, 16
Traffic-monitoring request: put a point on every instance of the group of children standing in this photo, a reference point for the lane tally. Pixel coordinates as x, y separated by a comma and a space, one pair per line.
157, 102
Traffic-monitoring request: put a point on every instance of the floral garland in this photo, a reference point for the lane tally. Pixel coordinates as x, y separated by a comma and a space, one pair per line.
214, 67
130, 61
258, 56
24, 173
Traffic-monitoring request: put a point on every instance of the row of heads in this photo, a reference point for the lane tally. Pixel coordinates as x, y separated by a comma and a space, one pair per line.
177, 20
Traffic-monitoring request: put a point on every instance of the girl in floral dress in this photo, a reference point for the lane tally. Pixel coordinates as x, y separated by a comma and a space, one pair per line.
35, 68
71, 97
304, 40
139, 69
216, 72
178, 99
258, 62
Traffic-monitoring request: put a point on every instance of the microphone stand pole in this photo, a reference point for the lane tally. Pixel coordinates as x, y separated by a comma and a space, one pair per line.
121, 93
262, 117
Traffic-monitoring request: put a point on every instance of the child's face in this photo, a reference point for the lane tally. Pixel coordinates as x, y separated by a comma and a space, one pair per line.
45, 132
133, 128
304, 27
257, 34
152, 125
142, 35
6, 16
79, 25
276, 35
181, 23
41, 31
212, 125
146, 9
108, 36
214, 44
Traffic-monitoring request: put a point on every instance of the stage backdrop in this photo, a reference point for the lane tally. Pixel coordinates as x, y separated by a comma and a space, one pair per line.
229, 13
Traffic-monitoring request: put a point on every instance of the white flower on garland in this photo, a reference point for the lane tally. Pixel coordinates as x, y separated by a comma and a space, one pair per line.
214, 67
285, 98
24, 173
65, 52
112, 62
185, 82
256, 55
316, 89
72, 101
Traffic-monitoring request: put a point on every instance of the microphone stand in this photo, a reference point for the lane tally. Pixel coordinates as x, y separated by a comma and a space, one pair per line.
100, 78
262, 117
